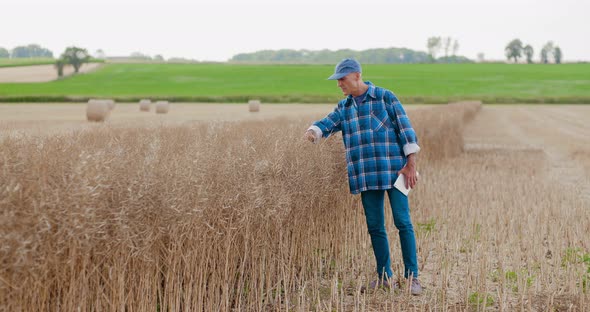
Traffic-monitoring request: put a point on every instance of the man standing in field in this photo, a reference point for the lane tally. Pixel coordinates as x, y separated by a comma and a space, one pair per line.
380, 144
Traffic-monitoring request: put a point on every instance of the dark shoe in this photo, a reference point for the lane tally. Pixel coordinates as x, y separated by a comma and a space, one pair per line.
415, 287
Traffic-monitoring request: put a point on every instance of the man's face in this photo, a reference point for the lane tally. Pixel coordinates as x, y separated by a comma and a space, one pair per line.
349, 83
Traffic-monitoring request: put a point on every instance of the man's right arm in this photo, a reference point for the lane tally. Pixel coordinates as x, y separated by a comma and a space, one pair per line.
325, 127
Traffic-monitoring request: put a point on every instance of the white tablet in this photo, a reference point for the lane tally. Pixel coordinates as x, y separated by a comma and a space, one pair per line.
400, 183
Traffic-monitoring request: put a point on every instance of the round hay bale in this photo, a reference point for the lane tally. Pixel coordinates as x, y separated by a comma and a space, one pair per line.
144, 105
97, 110
254, 105
162, 107
111, 104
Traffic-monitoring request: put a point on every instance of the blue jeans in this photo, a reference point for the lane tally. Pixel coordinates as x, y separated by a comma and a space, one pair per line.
373, 203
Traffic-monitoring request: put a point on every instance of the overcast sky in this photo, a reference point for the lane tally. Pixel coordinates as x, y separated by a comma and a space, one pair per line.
217, 30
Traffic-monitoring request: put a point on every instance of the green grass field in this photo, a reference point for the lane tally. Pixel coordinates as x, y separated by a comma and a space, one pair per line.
6, 62
413, 83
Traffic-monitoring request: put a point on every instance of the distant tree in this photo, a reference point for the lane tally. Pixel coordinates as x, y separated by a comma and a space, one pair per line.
76, 57
60, 63
514, 50
546, 51
455, 47
433, 45
557, 55
159, 58
544, 56
447, 45
100, 54
480, 57
528, 52
31, 51
20, 52
4, 53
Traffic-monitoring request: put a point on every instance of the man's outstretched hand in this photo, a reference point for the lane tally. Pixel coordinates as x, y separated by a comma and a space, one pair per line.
310, 135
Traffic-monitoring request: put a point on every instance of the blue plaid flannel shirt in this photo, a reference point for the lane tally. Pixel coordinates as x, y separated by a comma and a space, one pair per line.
377, 135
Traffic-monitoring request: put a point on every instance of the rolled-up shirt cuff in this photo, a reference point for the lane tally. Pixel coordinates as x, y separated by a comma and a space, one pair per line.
317, 131
411, 148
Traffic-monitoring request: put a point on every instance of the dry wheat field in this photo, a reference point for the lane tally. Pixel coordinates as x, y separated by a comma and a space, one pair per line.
181, 213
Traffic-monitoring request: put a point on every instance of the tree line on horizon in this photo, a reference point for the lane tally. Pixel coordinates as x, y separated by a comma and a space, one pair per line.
26, 51
369, 56
514, 50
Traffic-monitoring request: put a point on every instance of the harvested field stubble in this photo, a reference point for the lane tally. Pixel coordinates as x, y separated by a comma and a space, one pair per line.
248, 216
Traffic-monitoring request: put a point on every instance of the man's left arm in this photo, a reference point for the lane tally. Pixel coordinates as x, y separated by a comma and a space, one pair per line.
408, 138
406, 133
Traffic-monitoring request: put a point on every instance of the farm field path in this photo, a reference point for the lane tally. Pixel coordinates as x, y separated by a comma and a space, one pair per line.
562, 133
39, 73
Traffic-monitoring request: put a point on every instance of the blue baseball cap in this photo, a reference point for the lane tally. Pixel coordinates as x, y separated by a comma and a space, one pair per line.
345, 67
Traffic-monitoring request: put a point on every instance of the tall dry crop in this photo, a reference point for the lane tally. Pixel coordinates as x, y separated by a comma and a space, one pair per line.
207, 217
440, 128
